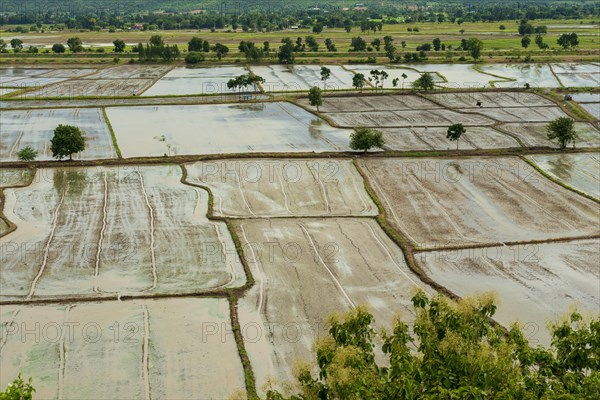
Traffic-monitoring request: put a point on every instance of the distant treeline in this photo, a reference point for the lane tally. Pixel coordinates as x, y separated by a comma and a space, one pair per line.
272, 15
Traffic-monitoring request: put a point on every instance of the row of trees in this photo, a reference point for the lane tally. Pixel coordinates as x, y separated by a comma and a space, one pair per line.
254, 16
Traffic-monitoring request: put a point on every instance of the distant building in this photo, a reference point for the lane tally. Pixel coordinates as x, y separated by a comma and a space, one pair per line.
294, 27
137, 27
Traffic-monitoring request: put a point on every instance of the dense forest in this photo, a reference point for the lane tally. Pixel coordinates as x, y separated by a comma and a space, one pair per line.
273, 15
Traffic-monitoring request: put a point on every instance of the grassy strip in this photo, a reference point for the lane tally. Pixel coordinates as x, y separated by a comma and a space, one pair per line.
557, 181
239, 340
112, 133
555, 76
405, 245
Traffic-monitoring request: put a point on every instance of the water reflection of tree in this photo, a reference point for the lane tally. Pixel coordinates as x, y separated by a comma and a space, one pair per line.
561, 168
73, 181
314, 128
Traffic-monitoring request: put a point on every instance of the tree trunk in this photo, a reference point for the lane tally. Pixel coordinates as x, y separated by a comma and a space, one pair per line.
456, 144
70, 157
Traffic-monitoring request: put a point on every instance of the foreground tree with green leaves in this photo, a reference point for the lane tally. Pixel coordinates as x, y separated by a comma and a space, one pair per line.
18, 390
454, 133
315, 97
66, 141
424, 82
460, 354
365, 138
562, 129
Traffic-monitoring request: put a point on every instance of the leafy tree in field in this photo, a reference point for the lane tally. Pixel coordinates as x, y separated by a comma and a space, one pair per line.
563, 129
525, 28
67, 140
358, 44
58, 48
194, 57
347, 25
330, 46
315, 97
286, 51
16, 44
33, 50
220, 50
312, 44
325, 75
27, 154
389, 48
502, 27
568, 40
75, 44
525, 41
358, 81
376, 43
460, 354
539, 40
156, 40
474, 46
244, 81
266, 46
196, 44
2, 46
437, 44
119, 46
379, 77
424, 82
365, 139
18, 390
317, 28
455, 132
404, 76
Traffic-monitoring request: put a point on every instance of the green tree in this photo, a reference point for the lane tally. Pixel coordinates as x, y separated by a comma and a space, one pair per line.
33, 50
475, 46
437, 44
3, 45
358, 44
330, 45
454, 133
325, 75
194, 57
347, 25
67, 140
119, 46
156, 40
376, 43
311, 42
525, 41
18, 390
562, 129
404, 76
539, 40
424, 82
379, 76
315, 97
568, 40
196, 44
220, 50
27, 154
460, 354
75, 44
16, 44
365, 139
286, 51
358, 81
317, 28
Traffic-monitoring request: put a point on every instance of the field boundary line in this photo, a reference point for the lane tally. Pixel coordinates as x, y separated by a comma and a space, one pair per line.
508, 243
249, 378
112, 134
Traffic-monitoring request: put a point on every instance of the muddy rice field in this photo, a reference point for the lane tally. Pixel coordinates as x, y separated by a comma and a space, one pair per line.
199, 244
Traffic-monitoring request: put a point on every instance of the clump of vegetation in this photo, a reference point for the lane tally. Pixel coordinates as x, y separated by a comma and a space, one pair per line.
460, 354
424, 82
563, 129
365, 139
66, 141
27, 154
454, 133
18, 390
